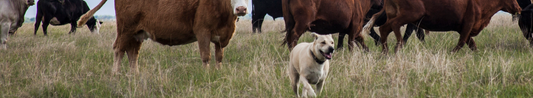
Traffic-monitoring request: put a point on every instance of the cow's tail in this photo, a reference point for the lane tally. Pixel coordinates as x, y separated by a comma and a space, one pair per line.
289, 21
85, 17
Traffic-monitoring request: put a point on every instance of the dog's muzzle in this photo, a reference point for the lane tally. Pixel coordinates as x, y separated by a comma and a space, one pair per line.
328, 53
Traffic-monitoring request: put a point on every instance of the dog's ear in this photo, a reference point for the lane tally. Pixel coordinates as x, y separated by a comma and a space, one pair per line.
314, 35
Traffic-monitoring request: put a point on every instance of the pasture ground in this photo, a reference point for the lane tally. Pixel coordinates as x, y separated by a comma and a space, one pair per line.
79, 65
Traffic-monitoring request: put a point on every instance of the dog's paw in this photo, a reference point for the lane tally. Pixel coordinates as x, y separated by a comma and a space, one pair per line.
312, 94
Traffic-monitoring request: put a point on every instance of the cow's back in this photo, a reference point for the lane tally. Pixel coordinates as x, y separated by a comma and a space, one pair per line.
443, 15
271, 7
167, 21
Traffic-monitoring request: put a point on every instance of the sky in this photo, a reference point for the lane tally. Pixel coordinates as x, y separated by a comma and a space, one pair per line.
107, 9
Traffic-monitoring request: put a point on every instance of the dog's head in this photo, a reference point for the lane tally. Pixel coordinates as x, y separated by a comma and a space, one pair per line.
324, 45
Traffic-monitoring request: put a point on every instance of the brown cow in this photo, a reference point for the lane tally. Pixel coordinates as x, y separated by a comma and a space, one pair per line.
467, 17
326, 17
174, 22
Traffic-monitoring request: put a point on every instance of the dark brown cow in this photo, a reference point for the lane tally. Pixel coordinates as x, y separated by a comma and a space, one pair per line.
326, 17
174, 22
467, 17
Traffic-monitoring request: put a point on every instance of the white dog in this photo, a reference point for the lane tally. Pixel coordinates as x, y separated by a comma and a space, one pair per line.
309, 64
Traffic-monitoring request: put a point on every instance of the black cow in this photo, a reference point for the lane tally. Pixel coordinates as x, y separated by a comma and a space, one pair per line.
61, 12
526, 19
263, 7
523, 3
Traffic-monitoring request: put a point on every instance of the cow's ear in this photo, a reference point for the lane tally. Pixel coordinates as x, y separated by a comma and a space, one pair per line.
100, 22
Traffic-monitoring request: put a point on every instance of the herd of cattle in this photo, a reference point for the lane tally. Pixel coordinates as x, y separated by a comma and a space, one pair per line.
177, 22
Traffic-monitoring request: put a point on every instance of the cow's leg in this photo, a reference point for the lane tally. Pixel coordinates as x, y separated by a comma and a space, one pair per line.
375, 36
73, 26
384, 31
219, 54
353, 38
4, 30
408, 31
36, 26
340, 41
298, 30
356, 35
302, 21
462, 40
119, 55
369, 27
126, 44
133, 54
398, 34
46, 22
468, 29
465, 36
387, 27
257, 21
420, 34
471, 44
203, 36
38, 19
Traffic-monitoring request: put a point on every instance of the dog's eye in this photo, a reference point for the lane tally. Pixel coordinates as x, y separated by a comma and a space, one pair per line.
323, 42
331, 42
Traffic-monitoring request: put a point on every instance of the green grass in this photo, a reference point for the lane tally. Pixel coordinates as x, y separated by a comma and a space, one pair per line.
255, 65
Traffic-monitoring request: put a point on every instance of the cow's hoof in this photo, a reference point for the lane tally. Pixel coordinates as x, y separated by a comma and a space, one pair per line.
206, 65
217, 66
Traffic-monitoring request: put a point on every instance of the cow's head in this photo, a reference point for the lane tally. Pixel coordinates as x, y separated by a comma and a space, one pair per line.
94, 25
30, 2
510, 6
239, 7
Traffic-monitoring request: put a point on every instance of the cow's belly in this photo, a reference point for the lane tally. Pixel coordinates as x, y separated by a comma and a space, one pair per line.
328, 27
173, 38
440, 24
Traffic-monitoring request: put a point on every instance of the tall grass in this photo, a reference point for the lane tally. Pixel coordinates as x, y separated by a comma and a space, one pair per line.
255, 65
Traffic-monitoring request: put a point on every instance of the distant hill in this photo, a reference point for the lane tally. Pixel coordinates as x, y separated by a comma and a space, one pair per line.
99, 17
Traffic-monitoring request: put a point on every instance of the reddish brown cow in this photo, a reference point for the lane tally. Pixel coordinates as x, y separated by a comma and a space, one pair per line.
174, 22
326, 17
467, 17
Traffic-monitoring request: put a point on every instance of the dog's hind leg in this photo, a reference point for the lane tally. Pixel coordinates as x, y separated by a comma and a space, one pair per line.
295, 78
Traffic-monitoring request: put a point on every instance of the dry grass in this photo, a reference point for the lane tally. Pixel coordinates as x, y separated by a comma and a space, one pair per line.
63, 65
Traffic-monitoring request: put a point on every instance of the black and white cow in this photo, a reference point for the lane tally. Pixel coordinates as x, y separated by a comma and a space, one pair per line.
11, 17
61, 12
262, 8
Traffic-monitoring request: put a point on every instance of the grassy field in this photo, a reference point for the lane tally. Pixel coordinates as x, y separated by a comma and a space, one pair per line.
255, 65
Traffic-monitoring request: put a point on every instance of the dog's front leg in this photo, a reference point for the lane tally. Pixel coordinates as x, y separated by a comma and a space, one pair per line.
307, 88
319, 86
295, 78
